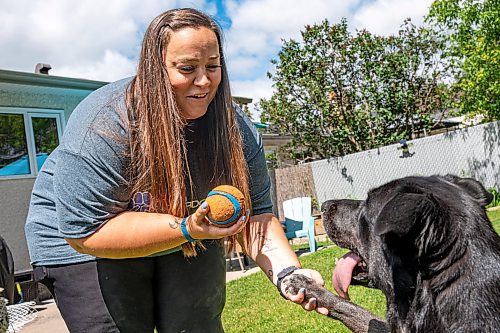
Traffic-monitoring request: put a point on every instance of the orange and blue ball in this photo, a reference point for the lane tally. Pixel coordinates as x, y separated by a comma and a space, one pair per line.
227, 205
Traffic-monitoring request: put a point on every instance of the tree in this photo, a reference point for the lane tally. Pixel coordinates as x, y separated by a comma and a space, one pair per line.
336, 93
471, 29
12, 138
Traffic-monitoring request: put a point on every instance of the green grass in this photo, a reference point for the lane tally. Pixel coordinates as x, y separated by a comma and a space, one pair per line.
254, 306
494, 216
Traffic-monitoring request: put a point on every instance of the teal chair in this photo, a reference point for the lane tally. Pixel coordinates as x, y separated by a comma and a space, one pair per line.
299, 221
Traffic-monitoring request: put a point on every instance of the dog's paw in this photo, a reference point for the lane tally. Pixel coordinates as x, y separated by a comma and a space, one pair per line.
294, 282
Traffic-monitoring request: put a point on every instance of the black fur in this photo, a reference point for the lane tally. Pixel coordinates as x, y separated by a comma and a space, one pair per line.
430, 248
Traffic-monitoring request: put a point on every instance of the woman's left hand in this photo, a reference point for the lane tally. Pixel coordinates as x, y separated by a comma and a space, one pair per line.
299, 297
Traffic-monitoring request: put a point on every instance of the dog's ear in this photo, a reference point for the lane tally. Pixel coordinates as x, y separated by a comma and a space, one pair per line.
474, 188
401, 213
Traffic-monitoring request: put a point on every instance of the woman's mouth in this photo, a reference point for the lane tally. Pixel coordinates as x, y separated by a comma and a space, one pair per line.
198, 96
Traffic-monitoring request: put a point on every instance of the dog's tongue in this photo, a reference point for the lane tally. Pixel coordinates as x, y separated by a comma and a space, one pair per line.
342, 274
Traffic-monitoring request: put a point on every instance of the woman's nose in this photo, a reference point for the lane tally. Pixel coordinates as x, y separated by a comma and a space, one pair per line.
201, 78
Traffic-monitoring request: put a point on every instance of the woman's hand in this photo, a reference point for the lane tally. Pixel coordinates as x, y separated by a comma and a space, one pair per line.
299, 297
200, 228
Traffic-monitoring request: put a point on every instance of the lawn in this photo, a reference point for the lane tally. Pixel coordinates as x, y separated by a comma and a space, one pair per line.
494, 216
254, 305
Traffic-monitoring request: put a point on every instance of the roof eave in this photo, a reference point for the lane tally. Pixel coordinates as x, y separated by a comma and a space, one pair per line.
48, 80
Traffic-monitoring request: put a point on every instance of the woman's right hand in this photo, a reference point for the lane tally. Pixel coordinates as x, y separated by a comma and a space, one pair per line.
200, 228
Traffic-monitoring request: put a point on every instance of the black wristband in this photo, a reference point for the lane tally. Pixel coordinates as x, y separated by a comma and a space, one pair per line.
281, 275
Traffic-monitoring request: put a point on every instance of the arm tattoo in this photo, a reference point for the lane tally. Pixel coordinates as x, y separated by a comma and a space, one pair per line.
175, 223
268, 245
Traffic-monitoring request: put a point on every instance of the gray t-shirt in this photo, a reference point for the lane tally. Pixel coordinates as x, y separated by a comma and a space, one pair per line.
83, 183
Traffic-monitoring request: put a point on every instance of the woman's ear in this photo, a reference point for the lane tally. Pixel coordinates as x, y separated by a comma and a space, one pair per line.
402, 212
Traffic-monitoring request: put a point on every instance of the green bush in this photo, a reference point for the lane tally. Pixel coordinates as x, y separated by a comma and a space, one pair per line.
496, 197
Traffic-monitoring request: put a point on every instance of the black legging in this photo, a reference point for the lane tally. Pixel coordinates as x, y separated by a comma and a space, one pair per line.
75, 288
169, 292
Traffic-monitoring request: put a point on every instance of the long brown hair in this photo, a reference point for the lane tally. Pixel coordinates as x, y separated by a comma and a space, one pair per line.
158, 149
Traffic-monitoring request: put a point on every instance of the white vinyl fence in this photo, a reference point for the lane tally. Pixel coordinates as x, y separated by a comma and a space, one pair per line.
469, 152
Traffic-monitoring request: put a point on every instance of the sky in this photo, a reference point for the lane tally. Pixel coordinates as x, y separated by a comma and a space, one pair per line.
100, 39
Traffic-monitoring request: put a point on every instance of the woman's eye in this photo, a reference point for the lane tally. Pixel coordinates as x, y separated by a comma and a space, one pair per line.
186, 69
213, 68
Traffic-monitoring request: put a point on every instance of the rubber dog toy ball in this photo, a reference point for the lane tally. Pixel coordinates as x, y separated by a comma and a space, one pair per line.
227, 205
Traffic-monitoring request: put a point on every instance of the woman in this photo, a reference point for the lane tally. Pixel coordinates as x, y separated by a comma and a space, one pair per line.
137, 157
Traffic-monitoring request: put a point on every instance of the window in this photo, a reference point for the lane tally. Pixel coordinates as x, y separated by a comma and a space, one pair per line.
27, 137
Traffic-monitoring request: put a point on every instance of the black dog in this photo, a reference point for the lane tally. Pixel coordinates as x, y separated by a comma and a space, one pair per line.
427, 243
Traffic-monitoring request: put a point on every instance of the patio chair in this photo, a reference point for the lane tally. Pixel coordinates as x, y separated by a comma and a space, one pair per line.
299, 221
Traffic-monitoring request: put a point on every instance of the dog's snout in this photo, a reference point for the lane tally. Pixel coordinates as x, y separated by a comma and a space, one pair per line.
328, 205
